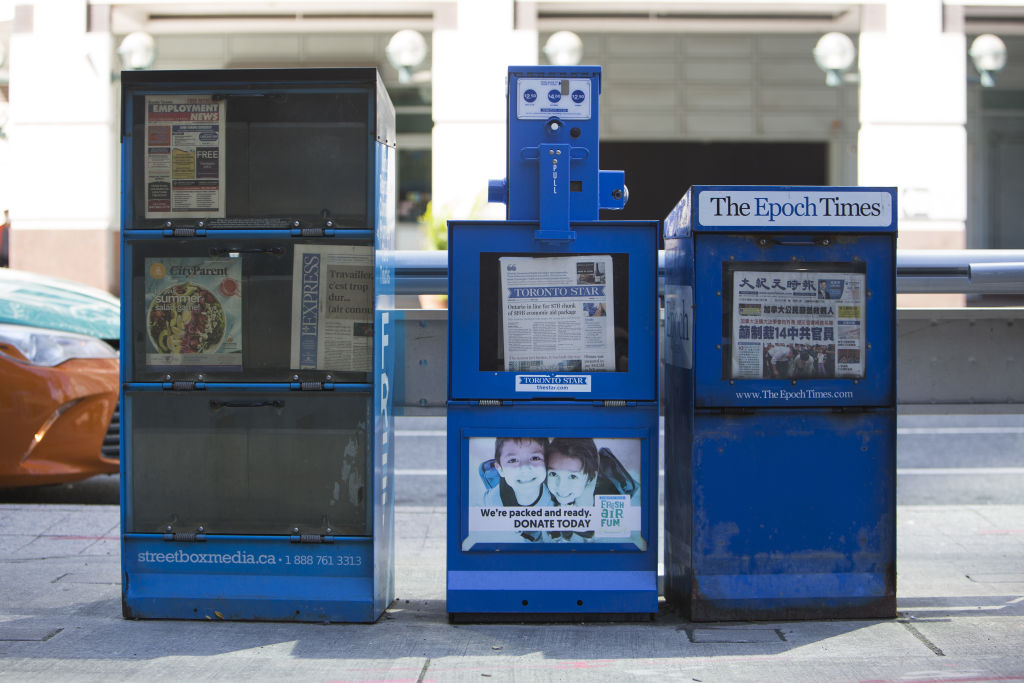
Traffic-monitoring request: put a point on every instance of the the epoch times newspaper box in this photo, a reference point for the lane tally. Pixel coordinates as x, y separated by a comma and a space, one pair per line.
552, 412
258, 209
780, 333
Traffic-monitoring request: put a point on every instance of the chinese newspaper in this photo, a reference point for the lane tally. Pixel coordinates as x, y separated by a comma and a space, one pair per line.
184, 165
194, 312
557, 313
797, 325
332, 308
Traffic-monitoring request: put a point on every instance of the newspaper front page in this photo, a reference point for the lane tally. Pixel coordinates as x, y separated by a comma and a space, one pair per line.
797, 325
332, 308
184, 167
557, 313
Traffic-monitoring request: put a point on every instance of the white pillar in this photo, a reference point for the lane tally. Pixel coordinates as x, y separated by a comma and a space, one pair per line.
62, 142
913, 115
472, 50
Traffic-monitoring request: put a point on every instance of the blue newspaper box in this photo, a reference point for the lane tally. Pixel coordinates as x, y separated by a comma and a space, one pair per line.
780, 392
257, 219
552, 411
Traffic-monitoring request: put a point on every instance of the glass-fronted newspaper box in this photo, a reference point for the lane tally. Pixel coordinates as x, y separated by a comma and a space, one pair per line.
257, 223
552, 412
780, 402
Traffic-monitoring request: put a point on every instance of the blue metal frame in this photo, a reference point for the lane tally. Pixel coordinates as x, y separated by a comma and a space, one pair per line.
267, 577
636, 239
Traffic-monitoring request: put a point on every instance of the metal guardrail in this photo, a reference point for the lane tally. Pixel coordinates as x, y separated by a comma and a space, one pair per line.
961, 271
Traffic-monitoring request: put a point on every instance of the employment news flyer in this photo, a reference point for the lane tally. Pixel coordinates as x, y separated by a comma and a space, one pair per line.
184, 167
797, 325
194, 312
542, 491
557, 313
332, 308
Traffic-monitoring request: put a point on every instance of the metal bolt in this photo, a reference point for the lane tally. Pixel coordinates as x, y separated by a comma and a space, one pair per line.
328, 377
330, 224
826, 241
616, 193
169, 527
296, 224
201, 528
551, 152
295, 530
558, 152
295, 378
329, 530
200, 224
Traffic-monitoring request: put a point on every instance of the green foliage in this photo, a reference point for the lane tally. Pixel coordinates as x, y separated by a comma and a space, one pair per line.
435, 225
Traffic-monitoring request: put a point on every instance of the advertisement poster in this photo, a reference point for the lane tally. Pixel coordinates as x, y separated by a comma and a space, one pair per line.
184, 168
797, 325
557, 313
332, 308
554, 490
194, 312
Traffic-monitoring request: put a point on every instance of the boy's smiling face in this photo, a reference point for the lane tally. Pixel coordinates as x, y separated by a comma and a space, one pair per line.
566, 478
521, 464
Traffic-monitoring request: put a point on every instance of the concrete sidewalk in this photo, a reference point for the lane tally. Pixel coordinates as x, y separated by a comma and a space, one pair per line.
961, 600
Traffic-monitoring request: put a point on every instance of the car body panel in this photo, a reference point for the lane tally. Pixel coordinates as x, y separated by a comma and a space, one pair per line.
54, 419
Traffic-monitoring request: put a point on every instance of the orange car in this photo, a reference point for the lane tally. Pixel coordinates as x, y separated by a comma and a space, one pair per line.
58, 380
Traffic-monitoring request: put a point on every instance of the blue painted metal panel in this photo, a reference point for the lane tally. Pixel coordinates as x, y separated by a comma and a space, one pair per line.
536, 573
382, 408
248, 578
793, 515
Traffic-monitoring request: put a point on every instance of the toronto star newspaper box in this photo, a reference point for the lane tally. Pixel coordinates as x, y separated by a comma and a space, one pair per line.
552, 411
780, 374
257, 214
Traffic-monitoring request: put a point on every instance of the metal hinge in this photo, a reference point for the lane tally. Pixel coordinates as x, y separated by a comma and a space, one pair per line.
185, 537
183, 232
311, 386
183, 385
489, 402
614, 404
311, 538
312, 232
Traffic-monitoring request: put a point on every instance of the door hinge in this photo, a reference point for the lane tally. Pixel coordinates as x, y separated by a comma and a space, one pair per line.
185, 537
489, 402
311, 538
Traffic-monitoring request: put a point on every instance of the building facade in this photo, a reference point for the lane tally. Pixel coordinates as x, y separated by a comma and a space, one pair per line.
693, 92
